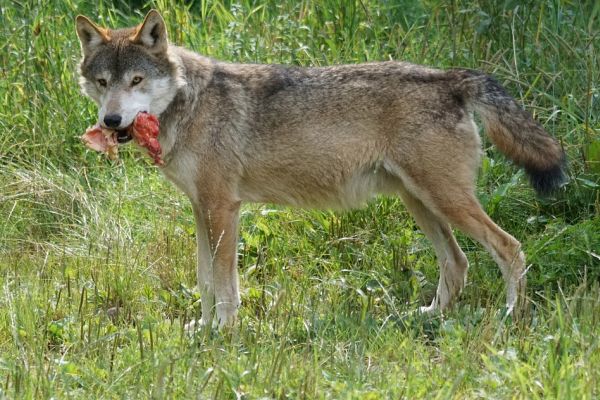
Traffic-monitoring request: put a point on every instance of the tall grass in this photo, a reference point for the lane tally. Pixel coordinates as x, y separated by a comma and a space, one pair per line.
97, 257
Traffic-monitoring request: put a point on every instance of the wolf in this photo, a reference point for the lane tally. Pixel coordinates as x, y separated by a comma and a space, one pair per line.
324, 137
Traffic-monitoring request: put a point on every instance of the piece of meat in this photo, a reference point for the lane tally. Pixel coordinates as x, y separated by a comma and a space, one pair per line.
100, 139
144, 130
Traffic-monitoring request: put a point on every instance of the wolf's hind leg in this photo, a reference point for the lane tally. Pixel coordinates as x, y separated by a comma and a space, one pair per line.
457, 204
467, 215
451, 259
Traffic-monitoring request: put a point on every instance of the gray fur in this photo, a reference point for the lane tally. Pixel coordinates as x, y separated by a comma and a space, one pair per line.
323, 137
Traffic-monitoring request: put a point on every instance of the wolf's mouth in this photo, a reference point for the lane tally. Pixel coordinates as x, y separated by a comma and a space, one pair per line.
124, 135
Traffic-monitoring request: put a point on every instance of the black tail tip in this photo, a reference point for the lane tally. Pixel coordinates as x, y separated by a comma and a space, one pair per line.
548, 180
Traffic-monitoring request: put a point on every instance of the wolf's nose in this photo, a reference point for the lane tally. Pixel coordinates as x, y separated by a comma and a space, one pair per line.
112, 120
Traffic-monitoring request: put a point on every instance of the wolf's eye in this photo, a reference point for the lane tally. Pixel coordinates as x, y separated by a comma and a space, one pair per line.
102, 82
136, 80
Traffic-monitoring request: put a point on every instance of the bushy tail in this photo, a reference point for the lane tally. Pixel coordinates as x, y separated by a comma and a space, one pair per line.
515, 132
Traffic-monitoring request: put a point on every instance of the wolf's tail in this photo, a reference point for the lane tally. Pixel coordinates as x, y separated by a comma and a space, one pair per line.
515, 132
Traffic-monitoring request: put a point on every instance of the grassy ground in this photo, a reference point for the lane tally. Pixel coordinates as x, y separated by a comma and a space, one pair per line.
96, 257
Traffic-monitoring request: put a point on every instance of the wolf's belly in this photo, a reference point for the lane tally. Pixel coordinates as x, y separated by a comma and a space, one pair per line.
320, 189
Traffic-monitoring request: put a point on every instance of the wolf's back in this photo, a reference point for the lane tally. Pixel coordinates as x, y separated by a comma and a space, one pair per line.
515, 132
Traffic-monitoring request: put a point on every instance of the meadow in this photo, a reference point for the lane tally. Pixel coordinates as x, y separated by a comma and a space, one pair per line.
97, 256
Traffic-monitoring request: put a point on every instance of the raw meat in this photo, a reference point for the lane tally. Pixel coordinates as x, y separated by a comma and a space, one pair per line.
144, 130
101, 139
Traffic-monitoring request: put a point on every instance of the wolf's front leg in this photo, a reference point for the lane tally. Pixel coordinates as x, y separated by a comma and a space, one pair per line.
216, 237
204, 273
222, 224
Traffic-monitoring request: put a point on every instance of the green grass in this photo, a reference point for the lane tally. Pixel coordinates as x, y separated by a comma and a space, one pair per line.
97, 257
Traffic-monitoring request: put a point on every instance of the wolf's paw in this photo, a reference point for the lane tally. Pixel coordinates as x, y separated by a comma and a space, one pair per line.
227, 313
198, 325
226, 321
427, 309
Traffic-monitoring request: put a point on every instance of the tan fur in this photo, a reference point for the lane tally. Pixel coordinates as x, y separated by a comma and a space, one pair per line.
331, 137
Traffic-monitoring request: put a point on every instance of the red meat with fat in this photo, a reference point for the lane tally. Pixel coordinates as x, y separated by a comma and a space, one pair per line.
144, 130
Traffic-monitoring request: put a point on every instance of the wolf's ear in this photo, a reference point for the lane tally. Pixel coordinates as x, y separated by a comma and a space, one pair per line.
152, 33
90, 34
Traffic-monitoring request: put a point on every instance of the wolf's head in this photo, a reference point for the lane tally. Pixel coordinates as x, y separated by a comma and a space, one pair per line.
127, 71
